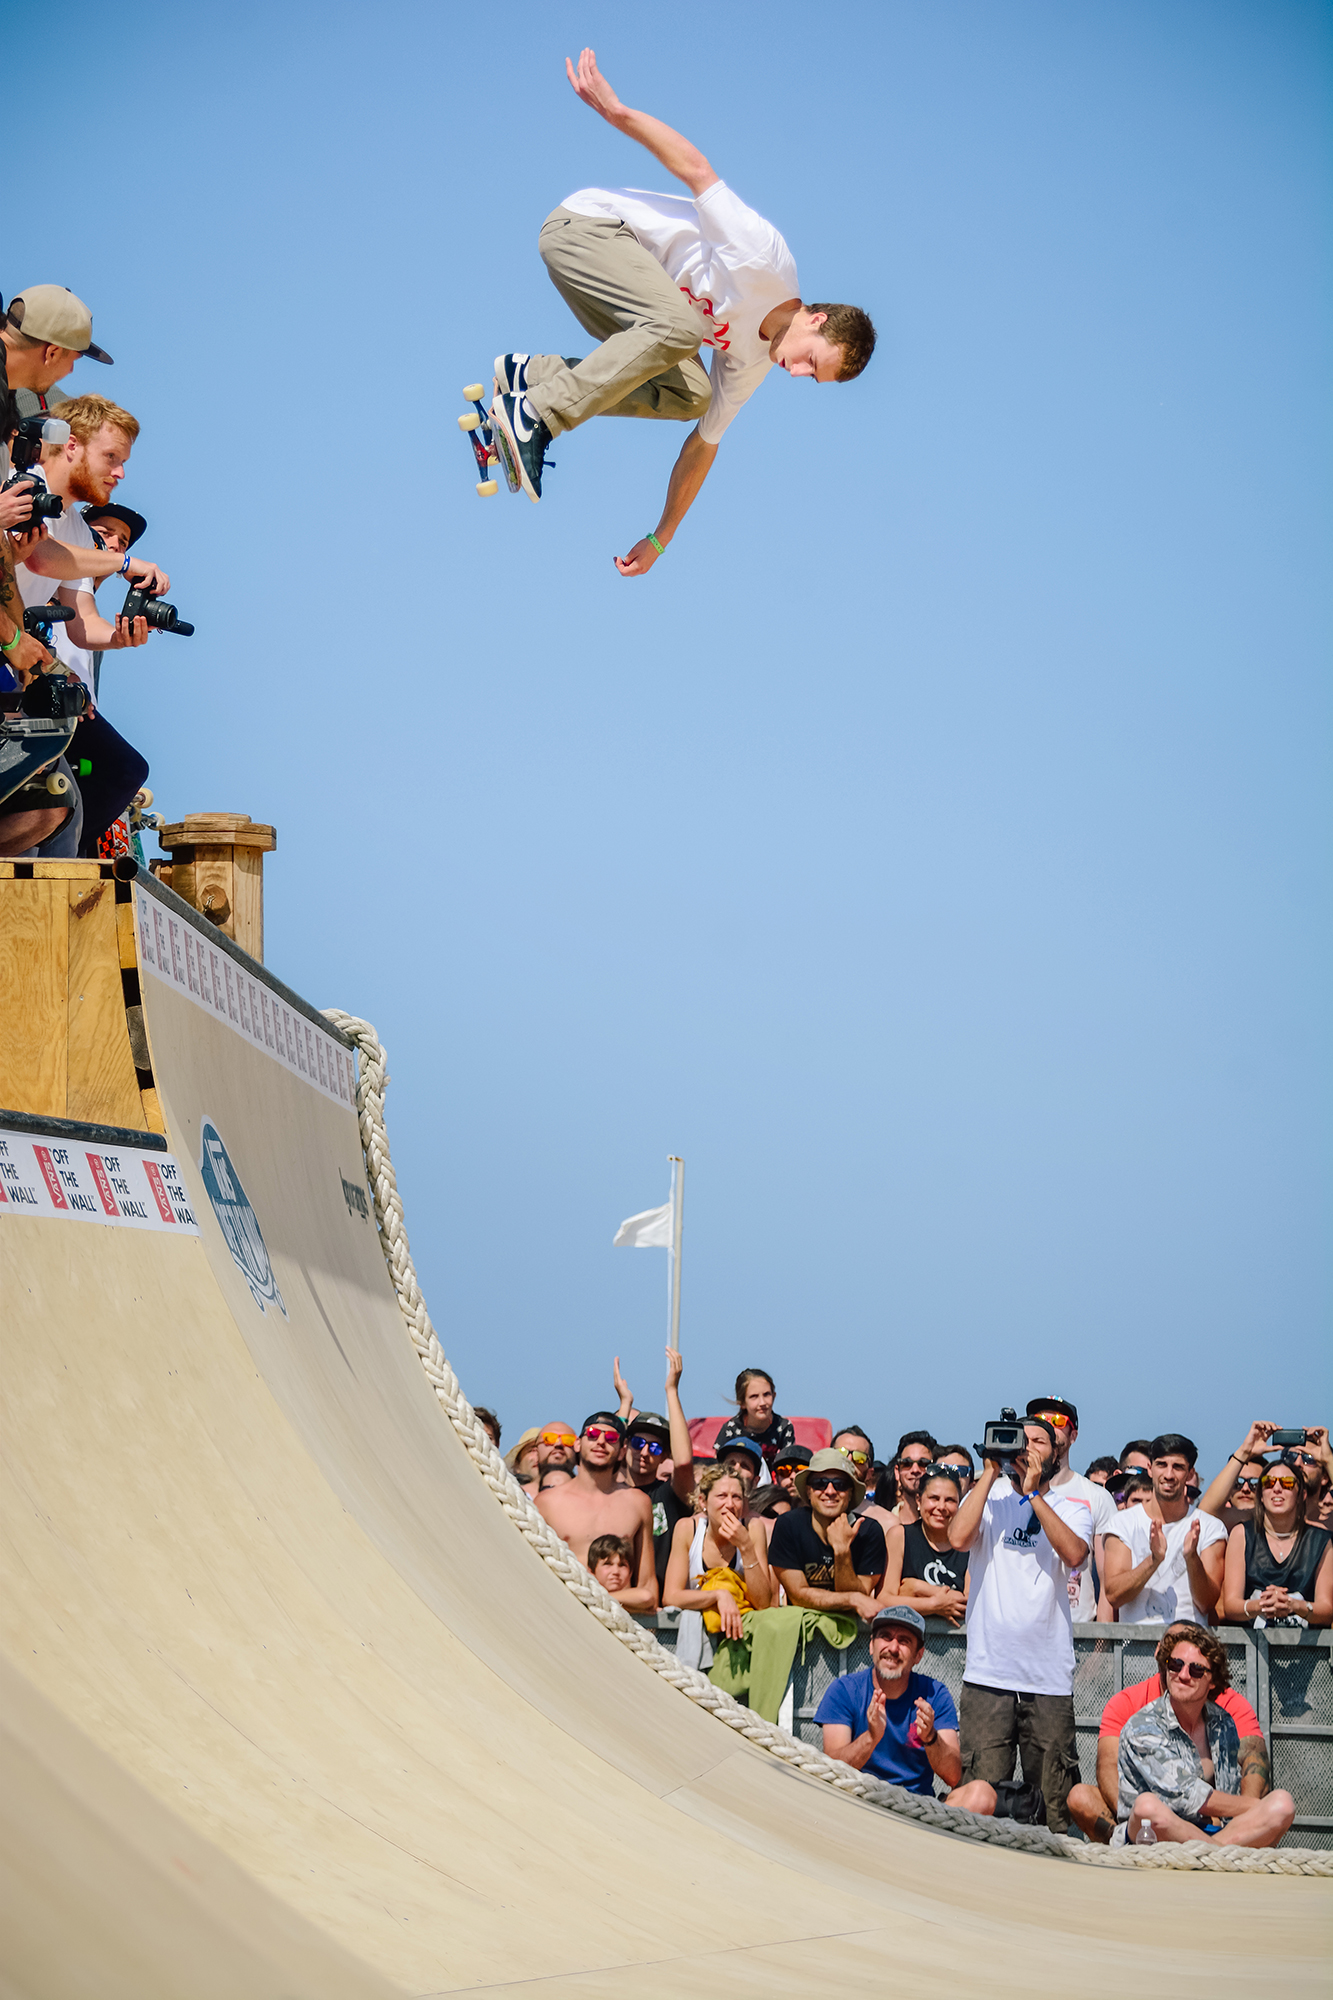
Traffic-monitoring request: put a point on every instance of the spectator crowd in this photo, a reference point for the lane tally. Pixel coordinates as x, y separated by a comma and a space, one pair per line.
759, 1540
64, 532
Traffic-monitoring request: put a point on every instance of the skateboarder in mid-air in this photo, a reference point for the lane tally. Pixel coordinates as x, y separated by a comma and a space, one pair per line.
655, 277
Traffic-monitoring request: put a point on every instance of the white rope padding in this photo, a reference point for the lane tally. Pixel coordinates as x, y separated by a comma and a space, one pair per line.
926, 1811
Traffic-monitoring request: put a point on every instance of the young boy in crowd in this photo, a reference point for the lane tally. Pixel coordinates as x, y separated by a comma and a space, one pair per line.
611, 1560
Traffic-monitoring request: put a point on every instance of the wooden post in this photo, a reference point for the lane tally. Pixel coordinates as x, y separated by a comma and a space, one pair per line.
217, 865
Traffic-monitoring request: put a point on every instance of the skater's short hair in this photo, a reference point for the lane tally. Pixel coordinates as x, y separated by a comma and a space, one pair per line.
853, 331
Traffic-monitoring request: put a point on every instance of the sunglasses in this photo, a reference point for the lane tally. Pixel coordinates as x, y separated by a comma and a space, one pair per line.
857, 1457
1305, 1457
1194, 1668
1056, 1417
653, 1446
822, 1482
917, 1464
1278, 1479
1246, 1485
556, 1437
954, 1472
601, 1435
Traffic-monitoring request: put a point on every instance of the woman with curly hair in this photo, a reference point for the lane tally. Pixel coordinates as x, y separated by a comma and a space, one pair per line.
717, 1568
1179, 1765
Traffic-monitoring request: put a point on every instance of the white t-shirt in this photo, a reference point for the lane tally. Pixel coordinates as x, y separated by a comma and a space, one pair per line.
1104, 1516
732, 266
1166, 1595
34, 589
1019, 1618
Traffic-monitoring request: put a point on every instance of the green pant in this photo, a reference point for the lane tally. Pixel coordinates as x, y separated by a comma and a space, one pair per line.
647, 363
760, 1664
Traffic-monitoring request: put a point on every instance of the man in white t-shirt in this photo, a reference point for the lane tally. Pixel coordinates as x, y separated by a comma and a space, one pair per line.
1164, 1563
655, 277
1062, 1416
1018, 1685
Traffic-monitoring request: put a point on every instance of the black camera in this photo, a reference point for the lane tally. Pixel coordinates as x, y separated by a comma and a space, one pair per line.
1006, 1437
44, 506
160, 614
31, 435
1288, 1438
54, 697
39, 618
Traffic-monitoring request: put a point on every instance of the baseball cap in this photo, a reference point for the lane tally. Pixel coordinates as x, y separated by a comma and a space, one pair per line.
830, 1460
744, 1444
795, 1454
52, 313
134, 522
649, 1424
1060, 1403
898, 1614
603, 1417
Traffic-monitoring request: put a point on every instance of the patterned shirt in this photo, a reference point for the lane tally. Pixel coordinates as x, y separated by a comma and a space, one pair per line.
1157, 1756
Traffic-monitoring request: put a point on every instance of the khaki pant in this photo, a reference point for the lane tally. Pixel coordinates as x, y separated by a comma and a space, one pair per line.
650, 335
994, 1724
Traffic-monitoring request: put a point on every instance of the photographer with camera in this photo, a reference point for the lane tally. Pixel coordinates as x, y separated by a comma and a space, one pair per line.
1023, 1540
87, 465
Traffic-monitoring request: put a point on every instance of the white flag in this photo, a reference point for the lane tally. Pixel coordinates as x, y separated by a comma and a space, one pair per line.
649, 1231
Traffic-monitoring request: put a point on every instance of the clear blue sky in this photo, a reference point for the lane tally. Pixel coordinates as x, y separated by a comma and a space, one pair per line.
935, 848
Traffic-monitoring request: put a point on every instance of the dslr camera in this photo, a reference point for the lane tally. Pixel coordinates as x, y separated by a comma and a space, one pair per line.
50, 696
26, 449
161, 615
1004, 1437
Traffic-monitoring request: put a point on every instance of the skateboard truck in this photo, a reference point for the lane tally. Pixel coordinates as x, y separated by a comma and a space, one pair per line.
481, 438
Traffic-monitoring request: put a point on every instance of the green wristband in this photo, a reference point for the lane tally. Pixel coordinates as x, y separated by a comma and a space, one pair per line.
8, 645
657, 545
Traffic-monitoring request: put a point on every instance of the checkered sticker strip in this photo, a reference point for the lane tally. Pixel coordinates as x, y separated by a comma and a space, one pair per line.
51, 1175
174, 952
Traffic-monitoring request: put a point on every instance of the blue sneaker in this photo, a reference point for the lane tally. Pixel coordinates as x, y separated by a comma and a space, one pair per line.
521, 439
511, 374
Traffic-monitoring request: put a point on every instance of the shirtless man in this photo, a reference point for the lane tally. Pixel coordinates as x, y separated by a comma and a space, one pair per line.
591, 1504
655, 278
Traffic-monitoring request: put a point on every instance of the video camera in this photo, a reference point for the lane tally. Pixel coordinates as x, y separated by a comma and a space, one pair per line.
1003, 1438
160, 614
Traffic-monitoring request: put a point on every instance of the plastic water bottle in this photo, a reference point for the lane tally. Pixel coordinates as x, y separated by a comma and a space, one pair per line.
1145, 1837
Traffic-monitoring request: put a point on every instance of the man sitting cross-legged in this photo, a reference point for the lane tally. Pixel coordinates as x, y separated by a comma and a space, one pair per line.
823, 1559
896, 1723
591, 1504
1093, 1807
1179, 1760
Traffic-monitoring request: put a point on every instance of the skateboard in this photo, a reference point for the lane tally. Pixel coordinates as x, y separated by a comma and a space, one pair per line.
489, 447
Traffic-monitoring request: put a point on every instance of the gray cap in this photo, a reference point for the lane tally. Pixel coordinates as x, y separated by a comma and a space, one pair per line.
898, 1614
651, 1425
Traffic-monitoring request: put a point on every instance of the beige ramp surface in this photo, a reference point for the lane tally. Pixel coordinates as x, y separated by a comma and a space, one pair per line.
288, 1692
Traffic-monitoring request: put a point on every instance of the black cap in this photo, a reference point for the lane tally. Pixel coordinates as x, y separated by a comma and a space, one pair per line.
794, 1454
113, 511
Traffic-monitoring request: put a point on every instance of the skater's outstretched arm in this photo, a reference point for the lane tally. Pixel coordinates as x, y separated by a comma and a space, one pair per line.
676, 154
687, 476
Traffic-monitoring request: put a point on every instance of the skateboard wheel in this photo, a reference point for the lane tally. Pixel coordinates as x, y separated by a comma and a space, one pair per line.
474, 392
471, 422
57, 784
487, 486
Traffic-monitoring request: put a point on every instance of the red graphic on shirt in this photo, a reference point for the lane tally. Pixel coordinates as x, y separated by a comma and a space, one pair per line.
159, 1192
706, 307
108, 1200
51, 1177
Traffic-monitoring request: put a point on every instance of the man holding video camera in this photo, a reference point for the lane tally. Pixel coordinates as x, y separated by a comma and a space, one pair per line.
1023, 1540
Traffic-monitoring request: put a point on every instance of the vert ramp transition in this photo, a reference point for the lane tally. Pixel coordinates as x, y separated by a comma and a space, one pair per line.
291, 1708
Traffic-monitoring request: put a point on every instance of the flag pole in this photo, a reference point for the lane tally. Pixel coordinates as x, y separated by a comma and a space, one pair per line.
677, 1230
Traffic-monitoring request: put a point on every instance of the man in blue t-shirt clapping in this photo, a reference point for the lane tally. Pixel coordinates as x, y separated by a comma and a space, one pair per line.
897, 1723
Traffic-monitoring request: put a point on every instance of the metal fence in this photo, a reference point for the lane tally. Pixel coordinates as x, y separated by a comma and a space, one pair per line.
1285, 1674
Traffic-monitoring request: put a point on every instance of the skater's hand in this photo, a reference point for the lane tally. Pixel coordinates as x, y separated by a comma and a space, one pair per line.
590, 85
639, 560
